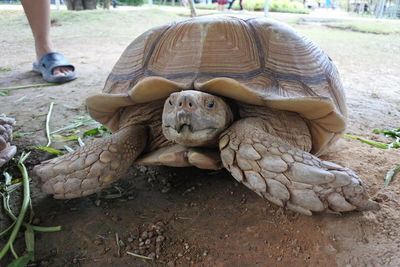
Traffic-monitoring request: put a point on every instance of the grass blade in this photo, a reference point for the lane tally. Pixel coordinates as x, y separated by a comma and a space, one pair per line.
61, 138
69, 149
367, 141
46, 229
29, 238
27, 86
48, 123
22, 261
50, 150
390, 174
138, 256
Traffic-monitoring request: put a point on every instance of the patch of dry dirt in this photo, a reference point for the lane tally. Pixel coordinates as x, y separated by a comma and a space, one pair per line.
207, 219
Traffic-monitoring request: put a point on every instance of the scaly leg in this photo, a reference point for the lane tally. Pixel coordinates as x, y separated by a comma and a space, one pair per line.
92, 167
286, 175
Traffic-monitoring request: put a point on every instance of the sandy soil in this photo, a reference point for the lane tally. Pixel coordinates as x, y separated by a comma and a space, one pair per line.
203, 218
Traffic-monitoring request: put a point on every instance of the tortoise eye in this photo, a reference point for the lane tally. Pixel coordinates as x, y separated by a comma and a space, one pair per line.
169, 101
211, 104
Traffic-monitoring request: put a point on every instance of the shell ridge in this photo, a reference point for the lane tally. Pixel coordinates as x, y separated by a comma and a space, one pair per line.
260, 47
154, 44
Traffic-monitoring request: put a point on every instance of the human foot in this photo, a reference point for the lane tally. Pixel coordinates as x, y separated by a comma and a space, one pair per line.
55, 68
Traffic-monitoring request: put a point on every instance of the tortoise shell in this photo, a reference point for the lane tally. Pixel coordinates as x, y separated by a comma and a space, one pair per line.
257, 61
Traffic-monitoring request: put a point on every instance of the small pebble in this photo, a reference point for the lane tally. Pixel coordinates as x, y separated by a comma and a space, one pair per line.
205, 253
130, 239
115, 218
180, 254
171, 264
147, 242
97, 202
98, 242
160, 239
165, 190
152, 255
144, 235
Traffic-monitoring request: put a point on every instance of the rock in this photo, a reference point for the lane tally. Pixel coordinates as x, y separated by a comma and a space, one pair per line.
152, 255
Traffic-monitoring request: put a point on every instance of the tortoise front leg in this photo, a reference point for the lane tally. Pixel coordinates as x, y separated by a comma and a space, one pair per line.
286, 175
92, 167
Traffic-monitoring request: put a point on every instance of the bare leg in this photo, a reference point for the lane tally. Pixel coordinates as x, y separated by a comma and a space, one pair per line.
38, 14
287, 175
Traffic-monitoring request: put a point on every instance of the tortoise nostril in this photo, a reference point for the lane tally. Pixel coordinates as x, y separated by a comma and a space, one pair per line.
180, 104
190, 104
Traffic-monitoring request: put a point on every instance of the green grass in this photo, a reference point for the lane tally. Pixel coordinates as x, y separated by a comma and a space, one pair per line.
96, 23
369, 26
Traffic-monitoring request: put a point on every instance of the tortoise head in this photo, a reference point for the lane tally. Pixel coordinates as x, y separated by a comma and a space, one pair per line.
193, 118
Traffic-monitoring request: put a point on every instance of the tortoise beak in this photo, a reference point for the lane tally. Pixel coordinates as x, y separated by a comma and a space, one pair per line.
183, 121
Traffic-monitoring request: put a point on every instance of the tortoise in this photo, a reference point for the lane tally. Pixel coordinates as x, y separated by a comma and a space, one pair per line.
249, 95
7, 151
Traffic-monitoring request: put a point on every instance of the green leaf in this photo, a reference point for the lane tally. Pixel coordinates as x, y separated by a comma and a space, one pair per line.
61, 138
50, 150
121, 243
40, 115
101, 130
390, 174
393, 133
22, 261
29, 238
367, 141
4, 93
5, 69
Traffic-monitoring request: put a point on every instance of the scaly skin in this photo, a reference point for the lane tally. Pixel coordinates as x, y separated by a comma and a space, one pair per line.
6, 150
286, 175
92, 167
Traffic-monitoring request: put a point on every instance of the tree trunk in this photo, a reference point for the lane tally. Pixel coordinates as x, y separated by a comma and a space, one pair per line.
106, 4
192, 8
380, 9
81, 4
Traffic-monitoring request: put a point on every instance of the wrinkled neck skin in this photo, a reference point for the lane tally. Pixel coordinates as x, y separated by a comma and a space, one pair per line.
193, 118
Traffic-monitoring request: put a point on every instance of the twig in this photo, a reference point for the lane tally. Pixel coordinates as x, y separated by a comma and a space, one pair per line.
27, 86
48, 123
119, 248
139, 256
76, 125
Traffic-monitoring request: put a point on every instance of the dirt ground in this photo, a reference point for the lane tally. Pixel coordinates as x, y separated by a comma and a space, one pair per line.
200, 218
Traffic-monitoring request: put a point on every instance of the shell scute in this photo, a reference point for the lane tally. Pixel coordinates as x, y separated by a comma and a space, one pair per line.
257, 61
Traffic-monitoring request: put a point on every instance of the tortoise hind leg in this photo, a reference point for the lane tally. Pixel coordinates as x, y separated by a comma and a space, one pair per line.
92, 167
286, 175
